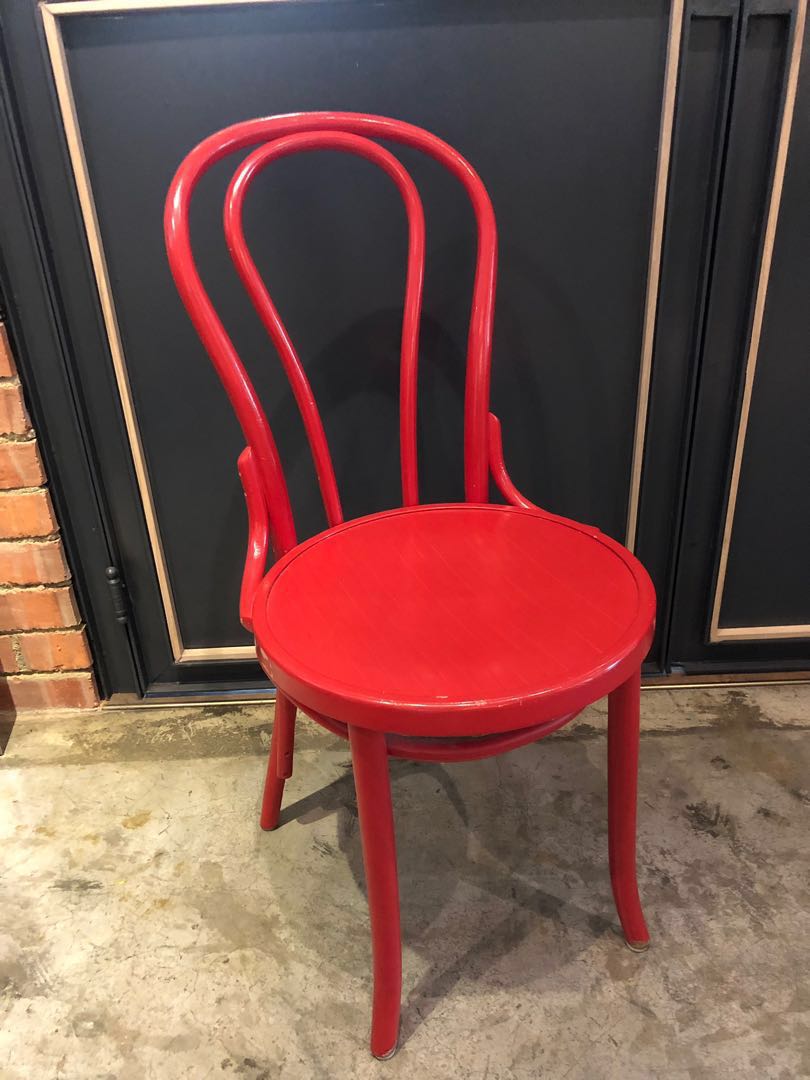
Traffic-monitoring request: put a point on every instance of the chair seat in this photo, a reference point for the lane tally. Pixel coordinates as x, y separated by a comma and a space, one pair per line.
453, 620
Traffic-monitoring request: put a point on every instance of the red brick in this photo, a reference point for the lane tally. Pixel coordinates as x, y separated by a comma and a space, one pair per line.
8, 658
26, 513
37, 609
40, 562
20, 465
55, 650
74, 691
13, 417
7, 366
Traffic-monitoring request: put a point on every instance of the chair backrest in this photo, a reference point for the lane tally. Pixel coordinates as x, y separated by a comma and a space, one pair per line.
279, 136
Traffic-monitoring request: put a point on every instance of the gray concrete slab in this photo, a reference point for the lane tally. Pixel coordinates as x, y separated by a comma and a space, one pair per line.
148, 928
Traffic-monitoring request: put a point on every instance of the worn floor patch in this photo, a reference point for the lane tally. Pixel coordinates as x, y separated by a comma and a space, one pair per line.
148, 928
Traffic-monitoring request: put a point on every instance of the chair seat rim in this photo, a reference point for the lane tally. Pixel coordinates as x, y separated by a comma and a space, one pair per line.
454, 718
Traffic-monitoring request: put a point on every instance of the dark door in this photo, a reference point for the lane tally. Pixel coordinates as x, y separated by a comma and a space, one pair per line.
736, 278
558, 106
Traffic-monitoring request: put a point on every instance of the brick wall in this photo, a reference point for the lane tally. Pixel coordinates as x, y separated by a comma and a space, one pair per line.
45, 661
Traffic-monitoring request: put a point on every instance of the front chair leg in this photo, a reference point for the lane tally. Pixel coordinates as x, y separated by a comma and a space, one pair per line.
623, 731
279, 764
373, 787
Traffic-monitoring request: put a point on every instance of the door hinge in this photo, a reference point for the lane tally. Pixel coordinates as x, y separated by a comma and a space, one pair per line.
118, 590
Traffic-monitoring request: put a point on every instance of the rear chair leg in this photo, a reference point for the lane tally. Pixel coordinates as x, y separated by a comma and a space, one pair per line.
373, 787
623, 731
279, 765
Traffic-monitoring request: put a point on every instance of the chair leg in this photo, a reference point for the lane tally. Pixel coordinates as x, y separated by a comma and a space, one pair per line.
279, 764
285, 723
623, 734
373, 787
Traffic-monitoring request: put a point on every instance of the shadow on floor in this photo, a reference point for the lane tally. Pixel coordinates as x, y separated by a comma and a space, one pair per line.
8, 715
436, 856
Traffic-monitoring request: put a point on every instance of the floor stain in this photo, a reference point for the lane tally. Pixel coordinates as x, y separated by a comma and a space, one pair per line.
77, 885
712, 820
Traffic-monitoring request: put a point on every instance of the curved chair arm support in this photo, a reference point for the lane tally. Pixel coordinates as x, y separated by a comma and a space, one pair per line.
258, 545
497, 468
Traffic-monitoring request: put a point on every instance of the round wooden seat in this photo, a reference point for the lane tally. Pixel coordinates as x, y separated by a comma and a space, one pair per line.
453, 620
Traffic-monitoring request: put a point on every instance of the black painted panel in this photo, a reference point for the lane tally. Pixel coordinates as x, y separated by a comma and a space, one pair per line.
768, 577
757, 98
559, 111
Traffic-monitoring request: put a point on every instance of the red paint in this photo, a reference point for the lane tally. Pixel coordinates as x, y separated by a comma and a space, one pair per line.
280, 761
284, 723
256, 290
221, 349
504, 618
437, 748
438, 633
370, 764
497, 467
273, 787
258, 535
623, 725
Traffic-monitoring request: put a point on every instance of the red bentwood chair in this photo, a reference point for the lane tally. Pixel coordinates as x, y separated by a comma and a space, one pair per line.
438, 633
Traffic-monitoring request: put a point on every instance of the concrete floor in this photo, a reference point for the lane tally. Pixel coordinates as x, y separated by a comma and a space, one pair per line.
149, 929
